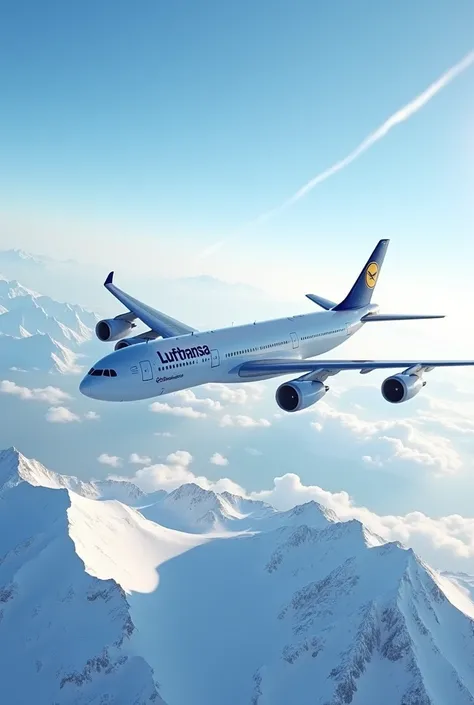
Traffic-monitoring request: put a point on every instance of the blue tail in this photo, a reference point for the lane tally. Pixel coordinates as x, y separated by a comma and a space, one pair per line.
361, 293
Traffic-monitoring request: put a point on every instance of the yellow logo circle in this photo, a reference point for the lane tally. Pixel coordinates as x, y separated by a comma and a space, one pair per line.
371, 274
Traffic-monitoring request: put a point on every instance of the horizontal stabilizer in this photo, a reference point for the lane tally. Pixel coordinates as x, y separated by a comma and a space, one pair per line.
395, 317
324, 303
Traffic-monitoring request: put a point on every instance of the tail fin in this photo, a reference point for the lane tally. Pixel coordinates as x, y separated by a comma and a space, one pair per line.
361, 293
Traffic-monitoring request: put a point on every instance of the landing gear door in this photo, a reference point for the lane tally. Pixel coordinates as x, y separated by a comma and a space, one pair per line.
147, 374
215, 358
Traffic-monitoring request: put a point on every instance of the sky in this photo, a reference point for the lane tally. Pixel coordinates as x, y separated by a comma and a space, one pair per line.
144, 138
225, 159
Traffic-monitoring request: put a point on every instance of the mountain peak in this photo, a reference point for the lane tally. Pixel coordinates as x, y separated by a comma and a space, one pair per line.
15, 468
310, 608
313, 507
193, 491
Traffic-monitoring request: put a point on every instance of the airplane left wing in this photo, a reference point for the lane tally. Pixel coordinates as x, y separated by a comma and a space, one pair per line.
254, 368
159, 322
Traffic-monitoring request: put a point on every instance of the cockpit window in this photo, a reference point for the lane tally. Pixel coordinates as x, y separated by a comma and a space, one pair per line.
98, 373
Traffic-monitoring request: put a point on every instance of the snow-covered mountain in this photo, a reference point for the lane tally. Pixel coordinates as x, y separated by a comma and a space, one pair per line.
66, 636
464, 581
196, 510
102, 605
37, 332
15, 469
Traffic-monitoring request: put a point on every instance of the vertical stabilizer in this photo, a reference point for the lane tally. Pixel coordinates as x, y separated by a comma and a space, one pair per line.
361, 293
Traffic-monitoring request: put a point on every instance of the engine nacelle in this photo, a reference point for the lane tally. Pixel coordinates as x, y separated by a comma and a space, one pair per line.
126, 342
401, 387
297, 395
111, 329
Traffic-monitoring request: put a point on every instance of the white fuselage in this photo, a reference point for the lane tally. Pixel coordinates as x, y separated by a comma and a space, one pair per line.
159, 367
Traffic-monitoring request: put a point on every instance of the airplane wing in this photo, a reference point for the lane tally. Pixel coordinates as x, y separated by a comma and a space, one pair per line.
159, 322
254, 368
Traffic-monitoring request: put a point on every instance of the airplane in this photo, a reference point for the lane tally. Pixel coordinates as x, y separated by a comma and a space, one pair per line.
172, 356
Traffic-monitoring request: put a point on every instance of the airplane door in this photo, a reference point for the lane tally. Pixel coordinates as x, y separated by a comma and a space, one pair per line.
295, 340
147, 373
215, 358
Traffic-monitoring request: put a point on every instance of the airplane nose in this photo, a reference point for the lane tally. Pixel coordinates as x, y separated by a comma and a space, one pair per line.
85, 387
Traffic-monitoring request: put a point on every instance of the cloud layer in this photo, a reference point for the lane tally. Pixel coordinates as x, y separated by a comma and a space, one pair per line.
51, 395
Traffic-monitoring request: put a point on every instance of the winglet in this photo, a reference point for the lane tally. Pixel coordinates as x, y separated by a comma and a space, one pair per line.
109, 279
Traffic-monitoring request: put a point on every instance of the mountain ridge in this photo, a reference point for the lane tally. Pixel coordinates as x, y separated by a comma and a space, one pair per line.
264, 609
37, 332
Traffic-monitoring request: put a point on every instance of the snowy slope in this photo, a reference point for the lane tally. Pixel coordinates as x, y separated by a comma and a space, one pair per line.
463, 581
66, 636
193, 509
37, 332
269, 608
15, 468
296, 615
37, 352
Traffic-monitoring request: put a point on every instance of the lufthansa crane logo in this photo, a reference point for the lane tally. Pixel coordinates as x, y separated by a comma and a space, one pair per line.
371, 274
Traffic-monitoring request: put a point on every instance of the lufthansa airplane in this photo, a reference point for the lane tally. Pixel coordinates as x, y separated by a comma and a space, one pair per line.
171, 355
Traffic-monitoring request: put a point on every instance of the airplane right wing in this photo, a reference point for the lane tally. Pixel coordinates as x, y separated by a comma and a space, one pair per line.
254, 368
159, 322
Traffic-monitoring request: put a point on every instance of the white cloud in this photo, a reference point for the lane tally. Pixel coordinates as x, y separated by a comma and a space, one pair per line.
164, 434
187, 396
136, 459
51, 395
243, 421
61, 414
159, 407
253, 451
372, 461
218, 459
180, 457
395, 440
92, 416
447, 539
233, 394
113, 460
446, 542
176, 472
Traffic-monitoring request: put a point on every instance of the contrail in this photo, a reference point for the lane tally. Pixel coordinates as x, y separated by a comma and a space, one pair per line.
400, 116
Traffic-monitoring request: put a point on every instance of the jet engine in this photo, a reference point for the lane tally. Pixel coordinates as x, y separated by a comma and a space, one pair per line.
297, 395
111, 329
126, 342
401, 387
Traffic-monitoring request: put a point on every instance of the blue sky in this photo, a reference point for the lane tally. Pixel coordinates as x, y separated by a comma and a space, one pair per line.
136, 137
178, 122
